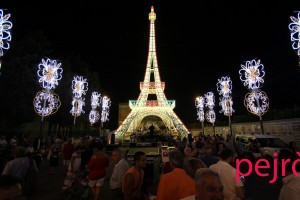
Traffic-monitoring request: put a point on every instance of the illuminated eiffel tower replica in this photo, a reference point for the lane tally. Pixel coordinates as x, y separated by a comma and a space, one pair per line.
143, 107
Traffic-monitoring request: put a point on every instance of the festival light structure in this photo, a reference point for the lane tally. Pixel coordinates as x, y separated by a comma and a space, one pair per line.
46, 102
252, 75
94, 115
210, 103
224, 87
5, 32
105, 111
79, 87
294, 27
199, 103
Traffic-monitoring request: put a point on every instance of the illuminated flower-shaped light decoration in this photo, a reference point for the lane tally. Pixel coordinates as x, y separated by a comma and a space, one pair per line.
105, 108
79, 86
95, 100
46, 103
199, 103
252, 74
294, 27
210, 100
224, 87
257, 102
77, 105
5, 35
49, 72
94, 115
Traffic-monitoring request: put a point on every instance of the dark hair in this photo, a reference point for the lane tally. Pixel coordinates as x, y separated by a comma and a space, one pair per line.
138, 155
176, 159
226, 153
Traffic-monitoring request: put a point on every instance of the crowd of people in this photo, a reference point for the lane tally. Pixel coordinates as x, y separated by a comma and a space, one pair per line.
200, 168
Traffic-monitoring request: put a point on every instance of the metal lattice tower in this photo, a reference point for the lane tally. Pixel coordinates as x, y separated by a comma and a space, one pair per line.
143, 107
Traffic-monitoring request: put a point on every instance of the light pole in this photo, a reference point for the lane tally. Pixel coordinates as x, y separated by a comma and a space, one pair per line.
199, 103
5, 35
224, 87
79, 88
94, 115
257, 102
46, 102
210, 114
104, 113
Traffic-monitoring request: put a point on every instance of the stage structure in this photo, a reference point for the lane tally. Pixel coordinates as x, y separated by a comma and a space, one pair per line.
143, 107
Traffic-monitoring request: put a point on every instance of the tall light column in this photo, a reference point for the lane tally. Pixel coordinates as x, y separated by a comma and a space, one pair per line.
210, 114
46, 102
104, 112
199, 103
257, 102
224, 87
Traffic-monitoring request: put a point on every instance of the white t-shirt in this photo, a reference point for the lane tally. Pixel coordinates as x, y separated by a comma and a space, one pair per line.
227, 175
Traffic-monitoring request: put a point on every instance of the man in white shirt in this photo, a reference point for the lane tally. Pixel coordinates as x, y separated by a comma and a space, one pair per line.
120, 168
233, 190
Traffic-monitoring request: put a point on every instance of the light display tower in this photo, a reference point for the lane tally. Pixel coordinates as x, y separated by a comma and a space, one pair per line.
294, 27
224, 87
104, 112
199, 103
257, 102
46, 102
79, 87
157, 105
94, 115
5, 35
210, 114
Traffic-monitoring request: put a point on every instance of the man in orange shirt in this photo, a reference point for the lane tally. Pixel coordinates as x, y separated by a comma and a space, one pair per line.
177, 184
134, 177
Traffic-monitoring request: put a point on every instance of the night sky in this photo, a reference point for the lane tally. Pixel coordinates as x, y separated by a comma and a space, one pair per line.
197, 43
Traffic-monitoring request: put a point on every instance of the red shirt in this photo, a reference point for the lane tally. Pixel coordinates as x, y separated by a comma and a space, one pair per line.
97, 167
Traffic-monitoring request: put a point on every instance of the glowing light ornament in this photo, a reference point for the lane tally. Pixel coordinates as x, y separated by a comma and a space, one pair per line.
94, 115
47, 102
256, 101
294, 27
49, 72
5, 35
224, 87
210, 103
199, 103
79, 87
252, 74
